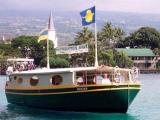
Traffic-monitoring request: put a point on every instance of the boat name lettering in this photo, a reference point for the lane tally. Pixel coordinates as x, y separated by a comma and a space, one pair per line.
81, 88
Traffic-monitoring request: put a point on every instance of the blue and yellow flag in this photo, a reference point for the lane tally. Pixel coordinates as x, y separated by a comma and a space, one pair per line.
43, 35
88, 16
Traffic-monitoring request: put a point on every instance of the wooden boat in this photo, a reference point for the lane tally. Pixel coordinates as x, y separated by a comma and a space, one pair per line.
92, 89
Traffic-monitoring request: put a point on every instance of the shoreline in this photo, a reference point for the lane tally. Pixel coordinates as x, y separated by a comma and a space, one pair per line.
157, 71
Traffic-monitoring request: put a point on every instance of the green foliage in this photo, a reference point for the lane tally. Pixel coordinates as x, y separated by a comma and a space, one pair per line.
55, 62
109, 36
29, 47
144, 37
85, 36
8, 50
106, 40
24, 41
113, 58
107, 57
122, 60
156, 51
1, 53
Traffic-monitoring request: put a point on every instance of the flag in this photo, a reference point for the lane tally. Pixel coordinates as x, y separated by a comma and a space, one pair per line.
49, 32
88, 16
43, 35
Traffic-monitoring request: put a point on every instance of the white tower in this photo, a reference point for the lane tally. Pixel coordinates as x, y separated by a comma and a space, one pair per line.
3, 38
51, 31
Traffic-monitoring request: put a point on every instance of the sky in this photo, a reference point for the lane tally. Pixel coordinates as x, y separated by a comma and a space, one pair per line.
136, 6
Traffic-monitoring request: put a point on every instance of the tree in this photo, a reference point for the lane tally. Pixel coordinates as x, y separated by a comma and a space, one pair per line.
109, 36
122, 60
82, 37
9, 51
144, 37
107, 58
55, 62
29, 47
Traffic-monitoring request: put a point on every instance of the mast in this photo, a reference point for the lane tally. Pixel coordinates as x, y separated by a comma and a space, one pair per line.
95, 28
49, 28
51, 36
48, 65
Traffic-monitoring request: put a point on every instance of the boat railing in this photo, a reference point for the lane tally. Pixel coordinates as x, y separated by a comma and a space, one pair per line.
116, 76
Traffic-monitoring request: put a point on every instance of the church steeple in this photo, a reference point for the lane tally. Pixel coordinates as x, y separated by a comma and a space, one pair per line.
50, 22
51, 31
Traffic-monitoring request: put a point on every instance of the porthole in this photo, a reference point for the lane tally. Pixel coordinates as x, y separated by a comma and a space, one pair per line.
34, 80
56, 80
20, 80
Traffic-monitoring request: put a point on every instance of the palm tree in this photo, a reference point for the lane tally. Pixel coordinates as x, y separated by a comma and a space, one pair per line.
108, 38
106, 35
110, 35
85, 36
122, 60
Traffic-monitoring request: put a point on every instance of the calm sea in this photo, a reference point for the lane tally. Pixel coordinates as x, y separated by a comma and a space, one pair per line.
146, 106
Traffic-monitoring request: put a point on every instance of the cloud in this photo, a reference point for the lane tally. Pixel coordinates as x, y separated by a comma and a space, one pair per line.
44, 4
141, 6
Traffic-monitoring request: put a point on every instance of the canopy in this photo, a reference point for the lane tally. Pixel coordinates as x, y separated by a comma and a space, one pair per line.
20, 60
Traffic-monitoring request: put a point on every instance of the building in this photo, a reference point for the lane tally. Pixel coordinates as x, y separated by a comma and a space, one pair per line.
143, 58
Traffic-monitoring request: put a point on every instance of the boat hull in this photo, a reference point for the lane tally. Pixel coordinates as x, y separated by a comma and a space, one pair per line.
84, 98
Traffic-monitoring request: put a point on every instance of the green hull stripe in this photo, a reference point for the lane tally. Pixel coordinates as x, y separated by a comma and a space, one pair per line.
71, 87
78, 90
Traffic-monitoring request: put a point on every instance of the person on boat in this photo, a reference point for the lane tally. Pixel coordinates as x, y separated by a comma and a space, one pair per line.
106, 79
117, 77
134, 74
99, 79
21, 68
80, 81
9, 70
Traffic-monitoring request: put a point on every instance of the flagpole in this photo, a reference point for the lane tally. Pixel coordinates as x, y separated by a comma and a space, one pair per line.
95, 28
48, 65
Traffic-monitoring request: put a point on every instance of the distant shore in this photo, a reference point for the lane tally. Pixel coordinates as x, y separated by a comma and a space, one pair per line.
150, 71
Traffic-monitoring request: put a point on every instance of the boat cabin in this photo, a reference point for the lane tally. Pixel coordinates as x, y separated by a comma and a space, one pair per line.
72, 77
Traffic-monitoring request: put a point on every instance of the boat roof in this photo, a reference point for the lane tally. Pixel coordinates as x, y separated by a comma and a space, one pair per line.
56, 70
20, 59
64, 70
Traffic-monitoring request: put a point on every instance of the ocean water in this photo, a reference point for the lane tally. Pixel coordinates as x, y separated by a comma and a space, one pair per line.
146, 106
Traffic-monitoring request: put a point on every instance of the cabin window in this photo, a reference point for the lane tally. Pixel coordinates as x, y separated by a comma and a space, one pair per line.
34, 80
56, 80
15, 77
20, 80
10, 78
6, 84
